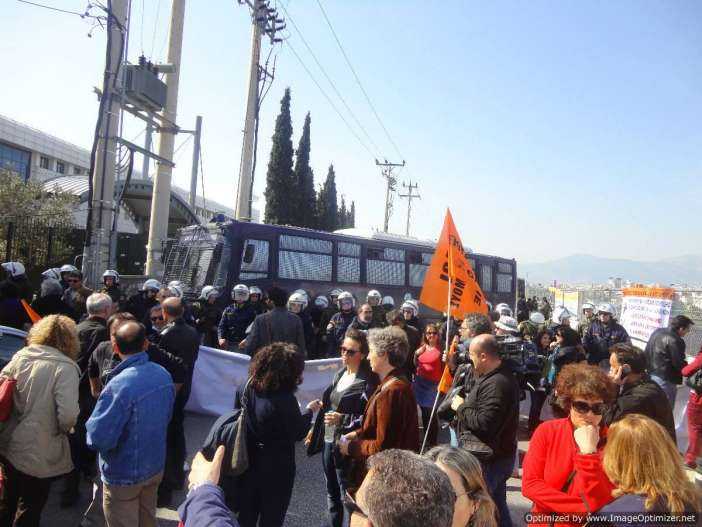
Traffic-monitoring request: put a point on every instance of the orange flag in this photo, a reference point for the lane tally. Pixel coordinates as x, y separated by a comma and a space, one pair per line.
33, 315
450, 260
449, 264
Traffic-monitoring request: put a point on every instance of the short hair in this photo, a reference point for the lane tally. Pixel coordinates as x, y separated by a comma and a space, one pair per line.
276, 367
358, 336
74, 274
278, 296
173, 307
478, 324
586, 381
680, 322
406, 490
473, 483
130, 338
98, 303
569, 335
641, 458
390, 341
118, 319
56, 331
394, 316
51, 287
631, 355
488, 345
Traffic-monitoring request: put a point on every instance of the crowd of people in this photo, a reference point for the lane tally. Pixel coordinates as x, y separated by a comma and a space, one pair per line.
103, 380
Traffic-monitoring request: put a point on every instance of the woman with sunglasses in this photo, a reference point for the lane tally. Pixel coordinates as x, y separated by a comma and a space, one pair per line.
429, 364
474, 506
343, 404
562, 470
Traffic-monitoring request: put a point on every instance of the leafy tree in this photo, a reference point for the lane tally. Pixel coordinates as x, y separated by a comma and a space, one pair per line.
352, 215
280, 182
327, 211
343, 215
304, 196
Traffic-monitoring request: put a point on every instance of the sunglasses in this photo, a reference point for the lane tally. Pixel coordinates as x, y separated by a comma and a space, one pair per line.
430, 333
348, 351
582, 407
155, 319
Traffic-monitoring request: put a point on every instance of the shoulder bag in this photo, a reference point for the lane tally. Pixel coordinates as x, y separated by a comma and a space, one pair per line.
7, 390
694, 381
240, 452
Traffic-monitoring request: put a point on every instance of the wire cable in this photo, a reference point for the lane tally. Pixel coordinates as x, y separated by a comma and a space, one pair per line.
51, 8
358, 81
143, 10
153, 36
202, 176
358, 138
331, 82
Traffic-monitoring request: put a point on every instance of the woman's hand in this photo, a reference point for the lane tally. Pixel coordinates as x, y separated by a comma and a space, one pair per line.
419, 351
308, 438
587, 438
344, 442
203, 471
315, 405
333, 418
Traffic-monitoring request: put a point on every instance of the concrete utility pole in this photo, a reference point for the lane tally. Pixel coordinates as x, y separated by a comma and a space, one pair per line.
264, 20
410, 188
160, 201
391, 185
196, 161
96, 255
147, 146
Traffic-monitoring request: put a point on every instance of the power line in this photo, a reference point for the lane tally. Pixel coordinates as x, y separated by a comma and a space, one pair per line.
329, 99
153, 36
358, 81
143, 10
51, 8
331, 82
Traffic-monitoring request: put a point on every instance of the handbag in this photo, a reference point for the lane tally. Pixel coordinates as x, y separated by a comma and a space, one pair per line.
694, 381
7, 390
240, 452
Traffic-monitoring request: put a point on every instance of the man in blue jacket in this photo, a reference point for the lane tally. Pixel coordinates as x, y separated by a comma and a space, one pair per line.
128, 429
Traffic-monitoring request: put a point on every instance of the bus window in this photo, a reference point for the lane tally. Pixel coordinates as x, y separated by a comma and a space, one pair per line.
348, 262
418, 265
385, 266
254, 260
486, 278
305, 258
504, 267
504, 283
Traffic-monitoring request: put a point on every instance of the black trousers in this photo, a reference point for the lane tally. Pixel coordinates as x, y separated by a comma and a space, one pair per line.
173, 474
265, 491
23, 497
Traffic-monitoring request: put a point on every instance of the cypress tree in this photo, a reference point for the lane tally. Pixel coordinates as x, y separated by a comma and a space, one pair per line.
279, 179
352, 215
327, 210
304, 196
343, 216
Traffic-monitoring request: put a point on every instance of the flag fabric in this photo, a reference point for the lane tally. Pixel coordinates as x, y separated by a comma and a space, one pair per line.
446, 377
450, 260
33, 315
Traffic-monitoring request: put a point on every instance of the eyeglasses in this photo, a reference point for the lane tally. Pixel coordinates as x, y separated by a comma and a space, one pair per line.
156, 319
348, 351
351, 505
582, 407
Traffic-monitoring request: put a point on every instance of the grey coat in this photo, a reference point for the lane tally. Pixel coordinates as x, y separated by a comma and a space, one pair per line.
278, 325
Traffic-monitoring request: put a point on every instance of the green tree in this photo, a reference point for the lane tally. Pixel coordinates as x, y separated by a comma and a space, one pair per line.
327, 211
280, 182
304, 196
352, 215
343, 215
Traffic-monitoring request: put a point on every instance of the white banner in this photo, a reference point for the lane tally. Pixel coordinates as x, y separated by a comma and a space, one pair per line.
219, 373
642, 315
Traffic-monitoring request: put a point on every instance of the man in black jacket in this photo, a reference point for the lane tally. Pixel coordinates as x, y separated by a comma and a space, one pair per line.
91, 332
665, 353
278, 325
183, 341
489, 409
638, 393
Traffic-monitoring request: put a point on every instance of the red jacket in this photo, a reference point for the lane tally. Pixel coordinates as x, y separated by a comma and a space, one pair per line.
552, 456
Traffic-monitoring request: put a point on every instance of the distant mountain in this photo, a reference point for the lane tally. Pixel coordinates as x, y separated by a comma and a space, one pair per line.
585, 268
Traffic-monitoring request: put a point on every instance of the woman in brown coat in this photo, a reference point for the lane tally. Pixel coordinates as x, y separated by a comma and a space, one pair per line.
390, 419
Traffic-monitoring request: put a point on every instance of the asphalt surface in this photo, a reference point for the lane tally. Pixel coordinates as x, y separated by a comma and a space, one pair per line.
307, 508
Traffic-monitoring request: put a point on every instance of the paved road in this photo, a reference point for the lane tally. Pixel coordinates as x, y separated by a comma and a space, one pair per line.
308, 506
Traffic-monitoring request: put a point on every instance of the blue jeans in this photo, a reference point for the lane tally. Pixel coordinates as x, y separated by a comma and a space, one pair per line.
670, 389
496, 473
336, 485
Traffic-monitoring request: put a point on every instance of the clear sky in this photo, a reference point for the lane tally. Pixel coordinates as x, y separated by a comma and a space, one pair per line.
548, 127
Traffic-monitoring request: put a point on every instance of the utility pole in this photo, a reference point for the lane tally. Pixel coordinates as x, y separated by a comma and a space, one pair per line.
147, 147
410, 188
96, 253
264, 19
387, 169
161, 198
196, 161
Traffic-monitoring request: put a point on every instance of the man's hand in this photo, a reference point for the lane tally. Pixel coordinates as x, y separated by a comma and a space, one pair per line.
587, 438
616, 376
203, 471
332, 418
344, 443
308, 438
223, 343
315, 405
242, 344
456, 402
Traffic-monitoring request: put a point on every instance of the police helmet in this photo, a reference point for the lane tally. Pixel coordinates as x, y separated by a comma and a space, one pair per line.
53, 273
208, 292
374, 294
298, 298
537, 318
321, 301
151, 284
388, 301
560, 315
14, 268
110, 272
508, 324
176, 290
345, 298
606, 308
409, 305
588, 305
240, 292
68, 268
255, 290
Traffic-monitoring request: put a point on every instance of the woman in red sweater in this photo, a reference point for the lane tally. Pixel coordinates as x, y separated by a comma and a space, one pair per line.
426, 381
563, 474
694, 416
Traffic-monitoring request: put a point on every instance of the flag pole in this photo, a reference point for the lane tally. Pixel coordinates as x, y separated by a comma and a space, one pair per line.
448, 333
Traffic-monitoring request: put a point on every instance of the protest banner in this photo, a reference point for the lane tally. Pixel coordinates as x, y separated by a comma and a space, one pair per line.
644, 310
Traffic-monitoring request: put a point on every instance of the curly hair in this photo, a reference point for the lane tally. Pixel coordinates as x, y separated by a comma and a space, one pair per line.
585, 381
360, 337
57, 331
276, 367
390, 341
